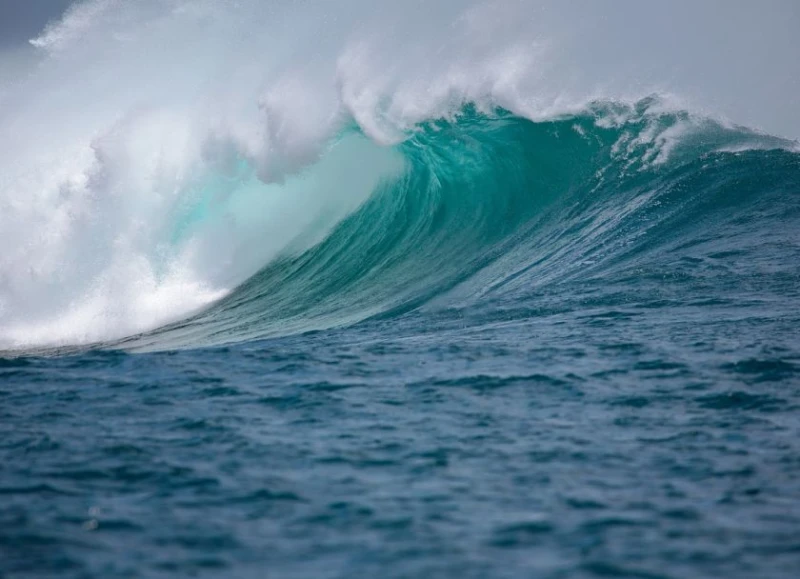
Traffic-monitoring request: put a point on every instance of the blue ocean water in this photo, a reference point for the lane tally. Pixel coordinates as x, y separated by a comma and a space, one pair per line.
565, 348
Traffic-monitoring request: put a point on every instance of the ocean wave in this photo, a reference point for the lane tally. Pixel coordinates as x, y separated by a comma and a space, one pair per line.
232, 173
485, 203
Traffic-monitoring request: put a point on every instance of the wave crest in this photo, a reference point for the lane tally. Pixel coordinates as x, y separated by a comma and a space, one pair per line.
487, 203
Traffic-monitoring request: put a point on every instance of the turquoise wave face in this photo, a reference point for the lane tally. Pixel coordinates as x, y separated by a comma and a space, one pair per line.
490, 204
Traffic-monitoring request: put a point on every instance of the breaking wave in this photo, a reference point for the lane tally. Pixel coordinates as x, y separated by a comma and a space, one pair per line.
175, 204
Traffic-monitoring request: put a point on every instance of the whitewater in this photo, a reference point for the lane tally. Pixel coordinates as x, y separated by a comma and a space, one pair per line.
483, 289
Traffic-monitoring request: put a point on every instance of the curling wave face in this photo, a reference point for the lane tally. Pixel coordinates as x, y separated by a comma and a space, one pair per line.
463, 208
488, 204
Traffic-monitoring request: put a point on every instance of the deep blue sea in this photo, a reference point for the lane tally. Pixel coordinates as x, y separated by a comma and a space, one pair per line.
555, 349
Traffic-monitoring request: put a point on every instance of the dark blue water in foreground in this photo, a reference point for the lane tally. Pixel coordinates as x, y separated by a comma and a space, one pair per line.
542, 352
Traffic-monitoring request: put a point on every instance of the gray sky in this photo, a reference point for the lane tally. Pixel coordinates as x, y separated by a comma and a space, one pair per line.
23, 19
737, 57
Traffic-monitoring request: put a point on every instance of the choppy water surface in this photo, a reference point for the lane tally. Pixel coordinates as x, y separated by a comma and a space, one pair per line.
619, 438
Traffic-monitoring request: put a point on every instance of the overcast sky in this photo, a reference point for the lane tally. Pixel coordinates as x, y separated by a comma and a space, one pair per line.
23, 19
738, 57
